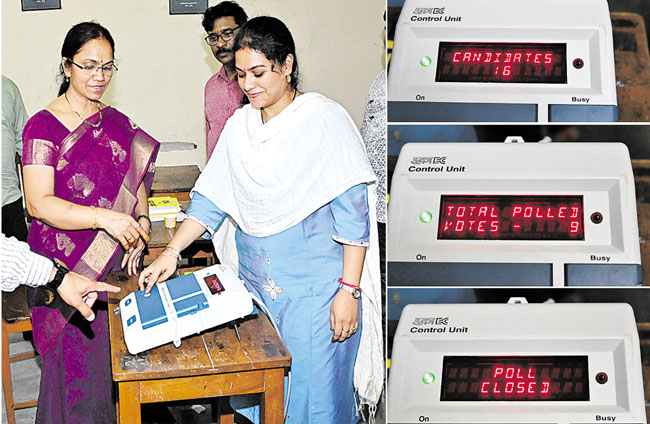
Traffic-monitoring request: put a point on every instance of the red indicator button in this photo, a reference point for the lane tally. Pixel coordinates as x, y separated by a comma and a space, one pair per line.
596, 217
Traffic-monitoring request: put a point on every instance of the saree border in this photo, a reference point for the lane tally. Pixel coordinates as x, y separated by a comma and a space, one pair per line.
103, 247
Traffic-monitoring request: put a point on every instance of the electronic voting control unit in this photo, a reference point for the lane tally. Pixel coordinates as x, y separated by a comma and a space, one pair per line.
505, 214
182, 307
516, 363
506, 60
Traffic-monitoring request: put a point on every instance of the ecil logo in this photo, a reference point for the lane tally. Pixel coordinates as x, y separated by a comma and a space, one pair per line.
429, 11
420, 160
431, 321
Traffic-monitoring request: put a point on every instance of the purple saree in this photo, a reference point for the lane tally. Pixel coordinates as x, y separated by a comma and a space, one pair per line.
99, 166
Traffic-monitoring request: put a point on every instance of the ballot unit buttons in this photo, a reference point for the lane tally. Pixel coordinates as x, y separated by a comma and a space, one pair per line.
130, 320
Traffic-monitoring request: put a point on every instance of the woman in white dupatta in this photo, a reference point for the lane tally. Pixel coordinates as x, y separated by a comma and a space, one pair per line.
291, 174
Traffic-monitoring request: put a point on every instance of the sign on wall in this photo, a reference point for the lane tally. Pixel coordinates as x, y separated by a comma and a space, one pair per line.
184, 7
28, 5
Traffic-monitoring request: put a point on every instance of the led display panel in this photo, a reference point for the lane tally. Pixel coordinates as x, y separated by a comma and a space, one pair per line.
515, 378
509, 217
543, 63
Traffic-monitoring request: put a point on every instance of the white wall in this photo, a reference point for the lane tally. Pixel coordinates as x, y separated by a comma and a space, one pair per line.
164, 62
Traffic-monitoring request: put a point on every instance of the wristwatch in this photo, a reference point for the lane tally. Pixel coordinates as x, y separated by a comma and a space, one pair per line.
61, 271
354, 291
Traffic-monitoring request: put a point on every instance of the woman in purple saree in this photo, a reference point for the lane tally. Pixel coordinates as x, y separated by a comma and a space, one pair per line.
88, 170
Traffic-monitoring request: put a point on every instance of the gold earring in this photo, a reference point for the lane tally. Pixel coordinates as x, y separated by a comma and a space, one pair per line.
288, 79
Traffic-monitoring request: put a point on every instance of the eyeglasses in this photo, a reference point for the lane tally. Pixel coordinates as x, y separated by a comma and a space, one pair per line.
226, 35
91, 69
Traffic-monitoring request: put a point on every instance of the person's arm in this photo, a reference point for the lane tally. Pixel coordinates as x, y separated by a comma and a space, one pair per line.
203, 217
132, 257
344, 313
165, 264
22, 266
80, 292
43, 205
19, 265
21, 119
352, 229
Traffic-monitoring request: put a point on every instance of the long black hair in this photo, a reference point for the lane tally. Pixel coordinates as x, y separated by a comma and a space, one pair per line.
75, 39
272, 38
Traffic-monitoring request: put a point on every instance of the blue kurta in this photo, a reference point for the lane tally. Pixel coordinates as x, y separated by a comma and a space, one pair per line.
295, 272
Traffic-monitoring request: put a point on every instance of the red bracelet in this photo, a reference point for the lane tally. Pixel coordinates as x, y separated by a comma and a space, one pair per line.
347, 284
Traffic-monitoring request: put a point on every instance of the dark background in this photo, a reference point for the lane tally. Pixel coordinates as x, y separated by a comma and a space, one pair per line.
635, 137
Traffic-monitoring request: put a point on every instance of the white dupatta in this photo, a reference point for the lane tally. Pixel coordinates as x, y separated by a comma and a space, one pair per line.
269, 177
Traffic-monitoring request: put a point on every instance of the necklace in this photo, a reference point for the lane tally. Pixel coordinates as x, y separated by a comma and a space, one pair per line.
262, 109
82, 119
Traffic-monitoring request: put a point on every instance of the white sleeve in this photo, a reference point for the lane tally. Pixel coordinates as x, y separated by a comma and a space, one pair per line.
19, 265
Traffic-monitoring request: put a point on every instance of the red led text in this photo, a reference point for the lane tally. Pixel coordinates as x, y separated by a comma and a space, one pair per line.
515, 381
502, 62
510, 218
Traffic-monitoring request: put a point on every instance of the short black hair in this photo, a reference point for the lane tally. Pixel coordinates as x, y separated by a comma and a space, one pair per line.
225, 8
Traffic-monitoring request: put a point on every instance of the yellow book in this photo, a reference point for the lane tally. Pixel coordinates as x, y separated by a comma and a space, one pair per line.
162, 205
155, 202
158, 217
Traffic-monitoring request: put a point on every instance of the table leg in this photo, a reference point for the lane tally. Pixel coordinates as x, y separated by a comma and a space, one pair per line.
272, 405
6, 376
129, 403
224, 412
227, 419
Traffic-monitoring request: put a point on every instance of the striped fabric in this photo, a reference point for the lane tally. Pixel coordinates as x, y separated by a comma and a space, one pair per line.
19, 265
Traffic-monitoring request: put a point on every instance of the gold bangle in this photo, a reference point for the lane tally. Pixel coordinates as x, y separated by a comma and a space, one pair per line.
95, 217
174, 249
171, 255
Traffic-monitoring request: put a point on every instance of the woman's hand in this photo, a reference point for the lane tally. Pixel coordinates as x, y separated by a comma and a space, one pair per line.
132, 258
344, 316
121, 226
160, 270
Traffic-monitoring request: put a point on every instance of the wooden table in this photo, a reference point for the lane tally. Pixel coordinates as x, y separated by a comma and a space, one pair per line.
175, 181
209, 365
641, 168
632, 63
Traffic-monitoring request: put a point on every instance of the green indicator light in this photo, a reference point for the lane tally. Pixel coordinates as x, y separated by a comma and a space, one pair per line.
425, 61
428, 378
426, 217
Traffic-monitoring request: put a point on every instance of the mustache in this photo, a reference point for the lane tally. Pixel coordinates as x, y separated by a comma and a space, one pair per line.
223, 50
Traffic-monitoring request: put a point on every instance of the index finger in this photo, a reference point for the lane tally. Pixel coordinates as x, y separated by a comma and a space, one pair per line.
149, 283
143, 234
149, 277
105, 287
143, 275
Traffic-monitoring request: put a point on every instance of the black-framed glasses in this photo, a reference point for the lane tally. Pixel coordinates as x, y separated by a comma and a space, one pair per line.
225, 35
91, 69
